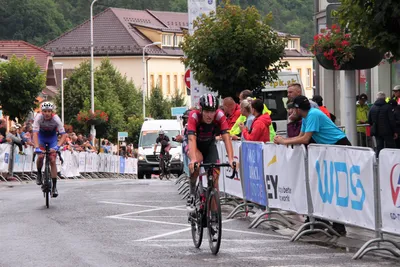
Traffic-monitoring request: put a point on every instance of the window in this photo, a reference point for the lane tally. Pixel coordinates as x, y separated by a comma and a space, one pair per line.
178, 40
299, 72
291, 44
168, 85
176, 82
152, 82
308, 81
276, 102
167, 40
159, 82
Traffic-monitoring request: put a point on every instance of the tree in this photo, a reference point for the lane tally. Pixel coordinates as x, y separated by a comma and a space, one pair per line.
234, 49
113, 95
373, 23
157, 106
177, 100
35, 21
21, 81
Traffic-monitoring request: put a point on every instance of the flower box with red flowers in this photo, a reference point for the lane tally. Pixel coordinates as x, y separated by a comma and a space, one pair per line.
92, 118
336, 50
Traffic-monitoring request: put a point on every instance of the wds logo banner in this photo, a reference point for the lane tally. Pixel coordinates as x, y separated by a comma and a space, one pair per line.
389, 175
342, 183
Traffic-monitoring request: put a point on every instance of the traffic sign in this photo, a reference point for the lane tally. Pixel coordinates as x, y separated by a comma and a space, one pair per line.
178, 111
187, 78
122, 136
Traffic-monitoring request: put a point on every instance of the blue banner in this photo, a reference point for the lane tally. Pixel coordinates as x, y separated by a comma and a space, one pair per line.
253, 174
121, 165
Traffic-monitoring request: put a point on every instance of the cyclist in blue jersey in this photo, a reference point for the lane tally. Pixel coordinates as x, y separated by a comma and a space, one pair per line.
45, 128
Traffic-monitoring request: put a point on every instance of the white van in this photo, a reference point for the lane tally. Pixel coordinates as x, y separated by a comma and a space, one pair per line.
148, 164
275, 98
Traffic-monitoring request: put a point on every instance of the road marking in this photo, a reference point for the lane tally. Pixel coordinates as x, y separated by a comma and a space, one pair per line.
163, 235
223, 240
144, 220
153, 208
151, 216
255, 233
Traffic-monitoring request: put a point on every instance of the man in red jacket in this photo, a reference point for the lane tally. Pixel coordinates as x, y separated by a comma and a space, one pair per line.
231, 110
260, 128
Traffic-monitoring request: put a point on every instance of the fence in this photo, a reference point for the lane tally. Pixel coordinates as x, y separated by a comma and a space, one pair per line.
76, 164
336, 183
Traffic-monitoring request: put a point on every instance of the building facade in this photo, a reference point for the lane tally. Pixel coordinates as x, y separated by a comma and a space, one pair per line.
121, 35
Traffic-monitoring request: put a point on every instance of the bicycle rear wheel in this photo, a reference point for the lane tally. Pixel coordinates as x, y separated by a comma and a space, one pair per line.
197, 217
47, 184
214, 221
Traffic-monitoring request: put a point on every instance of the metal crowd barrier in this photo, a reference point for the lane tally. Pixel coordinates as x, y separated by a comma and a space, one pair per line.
77, 165
340, 184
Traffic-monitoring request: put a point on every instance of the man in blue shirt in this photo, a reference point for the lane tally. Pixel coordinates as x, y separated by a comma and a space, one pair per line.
315, 125
321, 129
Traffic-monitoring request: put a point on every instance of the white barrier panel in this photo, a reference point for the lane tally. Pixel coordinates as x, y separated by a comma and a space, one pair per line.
103, 162
28, 164
19, 161
70, 168
4, 157
232, 186
342, 184
82, 162
389, 175
285, 177
135, 166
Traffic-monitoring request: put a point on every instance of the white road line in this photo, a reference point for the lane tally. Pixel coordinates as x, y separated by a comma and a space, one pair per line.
151, 216
223, 240
144, 220
163, 235
255, 233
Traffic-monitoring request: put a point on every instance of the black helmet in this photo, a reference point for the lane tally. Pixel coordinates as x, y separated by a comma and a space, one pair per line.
208, 102
186, 114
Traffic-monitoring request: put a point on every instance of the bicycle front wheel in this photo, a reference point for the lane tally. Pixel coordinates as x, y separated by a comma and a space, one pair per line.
214, 221
197, 218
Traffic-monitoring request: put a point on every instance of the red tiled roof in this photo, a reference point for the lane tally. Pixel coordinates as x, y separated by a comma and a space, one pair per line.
116, 33
21, 48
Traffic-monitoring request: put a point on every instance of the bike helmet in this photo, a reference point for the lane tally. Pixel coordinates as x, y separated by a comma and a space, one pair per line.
47, 106
160, 132
208, 102
186, 114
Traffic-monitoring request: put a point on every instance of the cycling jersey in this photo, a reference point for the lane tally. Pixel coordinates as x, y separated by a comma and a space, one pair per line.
206, 132
164, 143
48, 129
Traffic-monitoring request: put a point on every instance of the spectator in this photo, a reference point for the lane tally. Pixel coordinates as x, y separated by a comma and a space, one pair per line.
396, 95
3, 127
246, 111
260, 127
294, 90
235, 130
15, 138
318, 99
73, 144
80, 140
231, 110
362, 110
397, 119
317, 126
383, 124
294, 124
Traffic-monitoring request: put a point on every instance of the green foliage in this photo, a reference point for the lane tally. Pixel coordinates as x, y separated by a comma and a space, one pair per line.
133, 127
157, 106
21, 81
234, 49
177, 100
35, 21
374, 23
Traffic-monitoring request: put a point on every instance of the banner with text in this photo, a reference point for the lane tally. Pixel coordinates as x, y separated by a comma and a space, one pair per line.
285, 177
389, 180
342, 184
253, 180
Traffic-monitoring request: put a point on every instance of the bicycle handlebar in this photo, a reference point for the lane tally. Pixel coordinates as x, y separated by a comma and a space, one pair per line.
58, 153
216, 165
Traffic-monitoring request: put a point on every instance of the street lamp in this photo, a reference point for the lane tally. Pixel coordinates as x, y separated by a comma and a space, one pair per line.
145, 78
62, 90
92, 130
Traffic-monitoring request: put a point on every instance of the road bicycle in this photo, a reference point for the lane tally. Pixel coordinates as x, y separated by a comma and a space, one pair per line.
207, 211
46, 177
164, 165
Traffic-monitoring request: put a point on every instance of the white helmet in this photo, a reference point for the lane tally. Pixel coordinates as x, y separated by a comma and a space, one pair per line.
47, 106
160, 132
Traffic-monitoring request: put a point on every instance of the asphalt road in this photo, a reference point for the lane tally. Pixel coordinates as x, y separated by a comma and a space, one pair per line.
136, 223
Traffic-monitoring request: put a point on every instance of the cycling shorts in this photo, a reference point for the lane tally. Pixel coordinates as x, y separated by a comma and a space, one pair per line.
51, 141
209, 152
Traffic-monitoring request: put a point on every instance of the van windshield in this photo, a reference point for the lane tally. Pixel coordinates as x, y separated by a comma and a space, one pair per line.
148, 138
276, 102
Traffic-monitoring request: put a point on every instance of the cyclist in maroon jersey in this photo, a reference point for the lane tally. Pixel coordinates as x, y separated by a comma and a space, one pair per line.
202, 128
